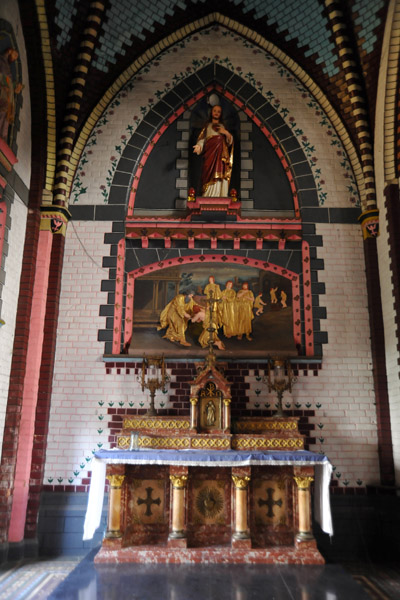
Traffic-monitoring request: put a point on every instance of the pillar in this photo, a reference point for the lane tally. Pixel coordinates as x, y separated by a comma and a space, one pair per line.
194, 413
177, 536
303, 499
241, 483
226, 424
114, 506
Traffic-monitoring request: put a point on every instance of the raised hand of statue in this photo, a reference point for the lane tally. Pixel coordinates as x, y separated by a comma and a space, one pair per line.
197, 149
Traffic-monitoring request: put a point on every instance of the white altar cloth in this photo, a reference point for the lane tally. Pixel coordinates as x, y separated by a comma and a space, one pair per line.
209, 458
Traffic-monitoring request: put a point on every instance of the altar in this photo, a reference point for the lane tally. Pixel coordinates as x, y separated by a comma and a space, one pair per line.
201, 488
209, 506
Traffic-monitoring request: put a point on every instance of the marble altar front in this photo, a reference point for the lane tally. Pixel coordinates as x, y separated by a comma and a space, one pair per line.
210, 506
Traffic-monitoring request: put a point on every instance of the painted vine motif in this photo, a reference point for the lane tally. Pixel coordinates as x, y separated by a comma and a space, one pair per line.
79, 189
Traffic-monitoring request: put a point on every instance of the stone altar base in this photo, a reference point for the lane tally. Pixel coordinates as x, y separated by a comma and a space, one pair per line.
305, 553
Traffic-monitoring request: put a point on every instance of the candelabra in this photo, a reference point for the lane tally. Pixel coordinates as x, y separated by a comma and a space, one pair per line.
280, 379
153, 378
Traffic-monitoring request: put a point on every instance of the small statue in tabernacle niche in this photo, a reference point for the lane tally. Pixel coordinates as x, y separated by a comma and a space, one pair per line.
210, 413
8, 91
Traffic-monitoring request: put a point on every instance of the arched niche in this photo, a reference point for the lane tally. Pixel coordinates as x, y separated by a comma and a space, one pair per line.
157, 154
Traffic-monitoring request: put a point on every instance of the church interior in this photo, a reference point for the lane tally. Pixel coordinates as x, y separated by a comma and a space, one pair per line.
200, 299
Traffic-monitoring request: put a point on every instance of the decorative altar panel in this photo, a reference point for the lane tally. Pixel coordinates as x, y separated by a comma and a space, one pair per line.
236, 506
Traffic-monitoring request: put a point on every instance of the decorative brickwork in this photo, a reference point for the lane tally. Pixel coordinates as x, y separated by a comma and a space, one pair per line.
18, 366
45, 387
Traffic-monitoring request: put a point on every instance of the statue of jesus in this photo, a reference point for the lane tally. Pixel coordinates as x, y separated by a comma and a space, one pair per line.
216, 144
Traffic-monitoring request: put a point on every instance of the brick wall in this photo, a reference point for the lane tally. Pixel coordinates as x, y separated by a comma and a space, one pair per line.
335, 403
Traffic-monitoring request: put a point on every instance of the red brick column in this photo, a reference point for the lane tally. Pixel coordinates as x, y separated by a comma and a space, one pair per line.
385, 449
17, 374
45, 386
30, 389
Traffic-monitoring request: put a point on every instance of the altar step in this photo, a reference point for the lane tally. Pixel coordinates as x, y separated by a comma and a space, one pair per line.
305, 553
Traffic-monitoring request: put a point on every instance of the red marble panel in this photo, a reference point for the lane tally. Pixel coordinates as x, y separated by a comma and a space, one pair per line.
278, 555
209, 507
145, 505
271, 507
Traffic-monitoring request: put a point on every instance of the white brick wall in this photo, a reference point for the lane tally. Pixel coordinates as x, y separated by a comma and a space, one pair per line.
80, 381
10, 298
345, 384
342, 394
343, 387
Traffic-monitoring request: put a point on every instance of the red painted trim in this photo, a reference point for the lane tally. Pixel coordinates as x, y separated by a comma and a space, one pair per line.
308, 313
274, 143
45, 387
119, 297
30, 389
130, 290
183, 222
220, 259
8, 154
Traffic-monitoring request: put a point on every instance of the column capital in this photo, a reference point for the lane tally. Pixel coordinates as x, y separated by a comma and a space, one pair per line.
194, 401
369, 220
227, 401
241, 483
178, 481
303, 483
116, 481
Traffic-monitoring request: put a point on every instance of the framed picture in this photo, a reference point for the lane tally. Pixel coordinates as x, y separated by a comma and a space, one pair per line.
242, 310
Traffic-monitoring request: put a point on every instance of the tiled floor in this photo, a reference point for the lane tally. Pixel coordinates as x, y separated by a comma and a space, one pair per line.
203, 582
78, 579
34, 580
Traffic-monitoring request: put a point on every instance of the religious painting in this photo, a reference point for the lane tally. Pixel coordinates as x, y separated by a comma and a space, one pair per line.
238, 309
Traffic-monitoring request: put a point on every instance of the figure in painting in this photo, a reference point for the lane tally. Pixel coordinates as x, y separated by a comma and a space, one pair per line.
272, 293
8, 90
245, 303
228, 310
210, 413
175, 317
259, 305
216, 145
214, 289
283, 299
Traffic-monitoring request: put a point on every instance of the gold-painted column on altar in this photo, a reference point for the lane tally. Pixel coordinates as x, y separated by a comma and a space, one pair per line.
303, 495
227, 415
178, 506
194, 413
114, 506
241, 483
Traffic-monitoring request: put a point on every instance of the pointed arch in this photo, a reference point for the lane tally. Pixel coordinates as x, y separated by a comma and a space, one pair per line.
252, 36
